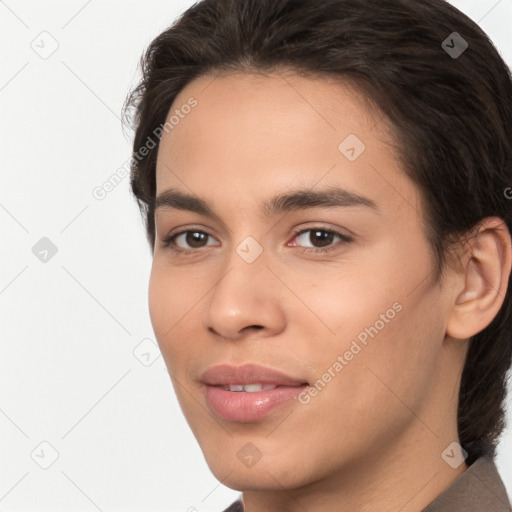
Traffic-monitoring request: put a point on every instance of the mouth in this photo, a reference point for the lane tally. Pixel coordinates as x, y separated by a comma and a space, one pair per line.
250, 392
249, 388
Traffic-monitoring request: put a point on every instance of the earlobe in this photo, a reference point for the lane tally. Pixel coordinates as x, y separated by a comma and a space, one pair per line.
484, 280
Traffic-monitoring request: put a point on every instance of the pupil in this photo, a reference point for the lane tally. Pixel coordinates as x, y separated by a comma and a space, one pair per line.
323, 237
194, 238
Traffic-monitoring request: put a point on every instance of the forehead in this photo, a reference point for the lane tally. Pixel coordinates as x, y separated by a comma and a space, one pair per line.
250, 105
253, 132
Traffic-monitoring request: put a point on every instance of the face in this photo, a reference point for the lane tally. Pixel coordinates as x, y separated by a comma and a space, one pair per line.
291, 294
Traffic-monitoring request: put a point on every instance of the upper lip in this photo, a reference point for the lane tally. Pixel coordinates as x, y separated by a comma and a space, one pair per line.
226, 375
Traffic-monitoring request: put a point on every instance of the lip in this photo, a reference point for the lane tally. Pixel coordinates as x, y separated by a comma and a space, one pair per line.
242, 406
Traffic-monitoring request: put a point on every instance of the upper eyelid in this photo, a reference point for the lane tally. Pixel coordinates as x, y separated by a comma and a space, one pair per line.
299, 231
318, 225
295, 232
343, 236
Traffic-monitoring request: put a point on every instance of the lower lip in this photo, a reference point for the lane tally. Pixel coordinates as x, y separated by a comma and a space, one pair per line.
245, 407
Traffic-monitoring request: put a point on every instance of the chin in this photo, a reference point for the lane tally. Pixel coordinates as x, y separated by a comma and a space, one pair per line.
232, 465
259, 477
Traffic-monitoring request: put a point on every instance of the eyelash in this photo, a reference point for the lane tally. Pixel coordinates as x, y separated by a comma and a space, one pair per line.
169, 241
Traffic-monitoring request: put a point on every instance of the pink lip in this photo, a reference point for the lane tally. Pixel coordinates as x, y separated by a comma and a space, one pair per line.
244, 406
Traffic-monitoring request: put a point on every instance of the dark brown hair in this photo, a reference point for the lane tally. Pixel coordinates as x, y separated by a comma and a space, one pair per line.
451, 116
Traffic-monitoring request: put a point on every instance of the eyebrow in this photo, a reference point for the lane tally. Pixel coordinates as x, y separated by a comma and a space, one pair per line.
331, 197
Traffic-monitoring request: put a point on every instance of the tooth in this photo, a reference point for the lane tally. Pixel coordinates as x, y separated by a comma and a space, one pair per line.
251, 388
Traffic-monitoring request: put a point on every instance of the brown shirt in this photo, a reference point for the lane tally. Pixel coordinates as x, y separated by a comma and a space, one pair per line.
478, 489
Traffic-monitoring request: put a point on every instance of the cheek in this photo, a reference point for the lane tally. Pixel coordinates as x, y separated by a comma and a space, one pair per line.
387, 329
363, 401
161, 302
345, 301
388, 368
172, 300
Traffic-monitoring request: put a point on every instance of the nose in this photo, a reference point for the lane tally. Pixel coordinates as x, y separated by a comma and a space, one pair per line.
246, 301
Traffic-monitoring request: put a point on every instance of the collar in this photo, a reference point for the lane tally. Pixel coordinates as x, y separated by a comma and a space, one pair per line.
479, 488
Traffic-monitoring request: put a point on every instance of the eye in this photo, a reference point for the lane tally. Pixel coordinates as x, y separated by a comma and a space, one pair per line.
311, 240
187, 241
319, 239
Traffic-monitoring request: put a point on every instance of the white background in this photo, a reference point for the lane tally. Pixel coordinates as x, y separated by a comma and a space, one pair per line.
68, 373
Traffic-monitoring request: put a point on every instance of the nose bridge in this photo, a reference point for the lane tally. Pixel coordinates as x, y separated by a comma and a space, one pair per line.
246, 271
246, 260
246, 293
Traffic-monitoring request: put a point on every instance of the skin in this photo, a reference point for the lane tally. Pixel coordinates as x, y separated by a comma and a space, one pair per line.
372, 439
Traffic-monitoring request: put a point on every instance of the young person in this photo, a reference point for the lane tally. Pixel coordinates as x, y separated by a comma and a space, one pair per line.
326, 191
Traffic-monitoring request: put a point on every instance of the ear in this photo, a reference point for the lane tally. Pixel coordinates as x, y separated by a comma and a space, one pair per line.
482, 282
